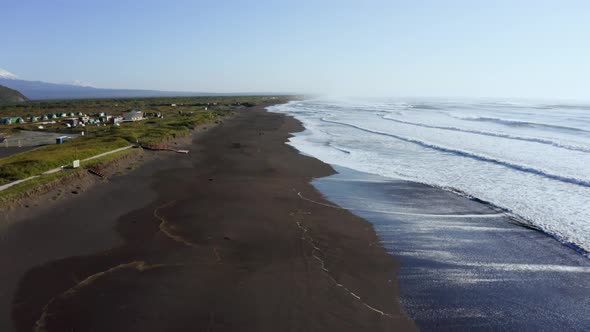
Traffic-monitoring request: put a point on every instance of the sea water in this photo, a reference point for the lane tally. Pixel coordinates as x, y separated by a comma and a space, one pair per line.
530, 159
465, 265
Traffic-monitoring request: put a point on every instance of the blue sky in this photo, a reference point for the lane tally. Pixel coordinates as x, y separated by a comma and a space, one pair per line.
517, 49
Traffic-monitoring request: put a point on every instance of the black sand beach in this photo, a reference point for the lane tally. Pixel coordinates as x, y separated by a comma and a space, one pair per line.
219, 240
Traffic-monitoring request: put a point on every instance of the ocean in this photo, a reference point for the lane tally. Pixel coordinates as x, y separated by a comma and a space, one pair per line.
452, 190
530, 159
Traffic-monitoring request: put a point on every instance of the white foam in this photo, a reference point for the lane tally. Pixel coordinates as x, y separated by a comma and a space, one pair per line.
409, 152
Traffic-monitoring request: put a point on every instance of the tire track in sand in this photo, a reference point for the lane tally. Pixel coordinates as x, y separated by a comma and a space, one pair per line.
140, 266
167, 229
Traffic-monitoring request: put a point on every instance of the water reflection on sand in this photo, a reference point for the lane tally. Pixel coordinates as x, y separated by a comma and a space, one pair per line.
467, 265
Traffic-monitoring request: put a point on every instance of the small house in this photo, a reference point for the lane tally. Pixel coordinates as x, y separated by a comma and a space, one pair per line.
133, 115
116, 119
73, 122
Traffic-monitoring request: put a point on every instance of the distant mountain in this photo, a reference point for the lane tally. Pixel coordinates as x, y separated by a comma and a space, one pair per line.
8, 95
37, 90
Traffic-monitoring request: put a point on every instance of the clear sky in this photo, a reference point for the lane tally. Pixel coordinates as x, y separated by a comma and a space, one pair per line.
528, 49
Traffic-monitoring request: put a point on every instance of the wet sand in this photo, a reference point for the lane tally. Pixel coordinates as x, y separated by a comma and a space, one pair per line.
467, 266
219, 240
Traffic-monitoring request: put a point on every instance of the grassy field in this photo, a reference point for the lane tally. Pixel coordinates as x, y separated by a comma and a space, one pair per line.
29, 186
61, 177
23, 165
177, 121
156, 130
118, 106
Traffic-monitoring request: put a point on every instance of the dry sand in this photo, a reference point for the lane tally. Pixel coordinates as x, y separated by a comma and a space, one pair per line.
218, 240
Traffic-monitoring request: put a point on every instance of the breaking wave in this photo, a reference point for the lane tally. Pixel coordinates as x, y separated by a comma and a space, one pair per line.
467, 154
495, 134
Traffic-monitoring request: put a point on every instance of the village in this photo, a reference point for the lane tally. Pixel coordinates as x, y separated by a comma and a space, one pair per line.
53, 127
149, 120
72, 119
43, 128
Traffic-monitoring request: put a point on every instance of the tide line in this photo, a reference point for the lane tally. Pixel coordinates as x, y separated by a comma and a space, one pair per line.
315, 248
489, 215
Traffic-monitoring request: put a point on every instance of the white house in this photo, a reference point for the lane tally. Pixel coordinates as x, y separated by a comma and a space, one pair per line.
116, 119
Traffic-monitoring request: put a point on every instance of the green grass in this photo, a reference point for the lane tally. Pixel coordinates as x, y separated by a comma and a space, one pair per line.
47, 179
108, 158
39, 160
156, 130
26, 164
118, 106
28, 186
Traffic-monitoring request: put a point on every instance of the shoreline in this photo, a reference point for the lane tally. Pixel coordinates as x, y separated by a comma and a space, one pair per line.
464, 265
221, 232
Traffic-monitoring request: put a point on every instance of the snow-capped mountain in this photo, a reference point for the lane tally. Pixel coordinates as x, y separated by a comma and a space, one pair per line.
7, 75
